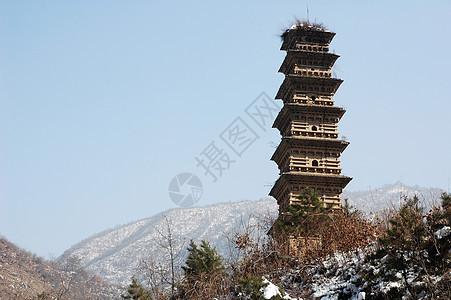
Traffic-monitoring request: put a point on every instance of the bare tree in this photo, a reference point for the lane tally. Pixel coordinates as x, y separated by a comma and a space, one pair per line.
162, 272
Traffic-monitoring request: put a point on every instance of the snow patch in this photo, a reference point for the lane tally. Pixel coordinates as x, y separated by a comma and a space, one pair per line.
272, 290
444, 232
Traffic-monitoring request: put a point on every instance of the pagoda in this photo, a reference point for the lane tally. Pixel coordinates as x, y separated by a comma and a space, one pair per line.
308, 155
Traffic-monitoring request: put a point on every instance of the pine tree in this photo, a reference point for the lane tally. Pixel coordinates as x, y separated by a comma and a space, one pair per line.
202, 261
410, 246
303, 218
439, 245
136, 291
309, 203
405, 237
205, 275
404, 243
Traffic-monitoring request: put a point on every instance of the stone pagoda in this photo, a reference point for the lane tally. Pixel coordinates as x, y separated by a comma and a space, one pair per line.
309, 152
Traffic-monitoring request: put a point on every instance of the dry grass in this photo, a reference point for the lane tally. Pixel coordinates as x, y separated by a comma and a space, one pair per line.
303, 24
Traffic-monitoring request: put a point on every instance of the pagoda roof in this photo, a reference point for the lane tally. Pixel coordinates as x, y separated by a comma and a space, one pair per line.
293, 79
328, 57
295, 108
306, 34
308, 180
301, 142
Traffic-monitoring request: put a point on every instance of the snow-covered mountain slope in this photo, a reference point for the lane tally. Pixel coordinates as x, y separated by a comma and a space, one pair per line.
390, 195
115, 253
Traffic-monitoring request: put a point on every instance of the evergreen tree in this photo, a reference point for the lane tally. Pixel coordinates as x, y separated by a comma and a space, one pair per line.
405, 241
416, 243
303, 217
439, 243
205, 277
202, 261
309, 203
136, 291
407, 229
405, 237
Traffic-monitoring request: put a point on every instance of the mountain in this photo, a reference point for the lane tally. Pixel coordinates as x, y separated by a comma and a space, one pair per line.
390, 195
115, 254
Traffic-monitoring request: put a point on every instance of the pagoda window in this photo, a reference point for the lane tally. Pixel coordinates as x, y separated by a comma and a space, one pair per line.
314, 128
314, 163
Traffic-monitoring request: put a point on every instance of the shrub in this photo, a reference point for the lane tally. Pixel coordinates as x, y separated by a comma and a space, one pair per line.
310, 230
252, 286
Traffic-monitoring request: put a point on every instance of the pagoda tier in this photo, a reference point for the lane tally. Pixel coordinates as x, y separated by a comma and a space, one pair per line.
309, 120
309, 155
290, 185
307, 39
308, 85
298, 61
298, 144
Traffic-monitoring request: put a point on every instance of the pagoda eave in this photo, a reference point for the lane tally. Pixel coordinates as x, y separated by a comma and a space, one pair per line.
328, 85
305, 142
307, 180
328, 58
289, 109
322, 37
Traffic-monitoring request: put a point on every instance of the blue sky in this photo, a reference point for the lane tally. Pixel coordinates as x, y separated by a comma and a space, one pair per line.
102, 103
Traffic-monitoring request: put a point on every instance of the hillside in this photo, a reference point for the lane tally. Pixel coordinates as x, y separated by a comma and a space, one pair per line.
19, 272
115, 253
24, 275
